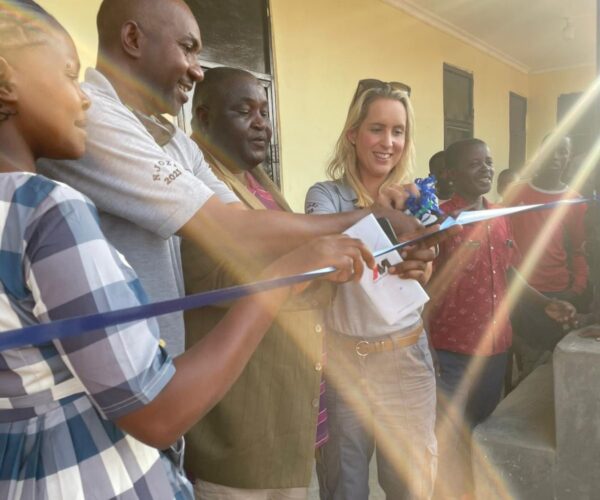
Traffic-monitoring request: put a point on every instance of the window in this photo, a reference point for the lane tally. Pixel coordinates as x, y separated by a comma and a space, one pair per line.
458, 105
237, 33
583, 132
517, 131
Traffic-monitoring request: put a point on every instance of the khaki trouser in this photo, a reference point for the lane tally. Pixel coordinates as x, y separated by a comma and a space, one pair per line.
211, 491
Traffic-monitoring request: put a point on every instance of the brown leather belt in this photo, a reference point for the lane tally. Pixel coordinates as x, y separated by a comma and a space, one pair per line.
365, 347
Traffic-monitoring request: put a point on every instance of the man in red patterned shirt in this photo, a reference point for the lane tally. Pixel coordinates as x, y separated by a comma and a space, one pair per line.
469, 321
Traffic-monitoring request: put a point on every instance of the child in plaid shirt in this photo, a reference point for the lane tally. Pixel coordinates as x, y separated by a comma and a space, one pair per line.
86, 416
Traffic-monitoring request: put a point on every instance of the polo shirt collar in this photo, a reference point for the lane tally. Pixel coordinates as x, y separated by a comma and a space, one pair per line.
548, 191
161, 129
346, 192
100, 83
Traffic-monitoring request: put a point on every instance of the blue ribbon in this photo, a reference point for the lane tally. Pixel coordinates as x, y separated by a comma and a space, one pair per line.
45, 332
472, 216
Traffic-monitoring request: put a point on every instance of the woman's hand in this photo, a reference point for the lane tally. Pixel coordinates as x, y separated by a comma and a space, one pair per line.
395, 196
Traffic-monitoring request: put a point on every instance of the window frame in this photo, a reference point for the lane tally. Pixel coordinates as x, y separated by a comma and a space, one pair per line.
452, 123
273, 164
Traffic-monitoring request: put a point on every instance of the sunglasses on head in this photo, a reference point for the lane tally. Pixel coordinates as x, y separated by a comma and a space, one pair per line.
373, 83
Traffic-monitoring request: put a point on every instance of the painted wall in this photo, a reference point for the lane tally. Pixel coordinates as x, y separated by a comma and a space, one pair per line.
79, 18
544, 89
323, 47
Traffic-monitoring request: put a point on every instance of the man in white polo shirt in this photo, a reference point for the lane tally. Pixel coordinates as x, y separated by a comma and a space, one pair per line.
150, 182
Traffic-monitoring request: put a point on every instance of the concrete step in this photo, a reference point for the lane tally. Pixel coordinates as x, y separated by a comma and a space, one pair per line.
577, 392
514, 450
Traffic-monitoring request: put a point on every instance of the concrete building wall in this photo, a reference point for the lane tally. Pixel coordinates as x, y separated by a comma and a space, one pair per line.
79, 18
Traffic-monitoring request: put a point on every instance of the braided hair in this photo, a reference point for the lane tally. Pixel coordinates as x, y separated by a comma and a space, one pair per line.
23, 23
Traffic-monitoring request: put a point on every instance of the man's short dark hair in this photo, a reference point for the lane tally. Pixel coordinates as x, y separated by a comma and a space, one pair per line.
436, 157
507, 172
453, 153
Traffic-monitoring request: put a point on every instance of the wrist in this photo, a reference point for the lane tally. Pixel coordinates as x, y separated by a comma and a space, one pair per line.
273, 272
542, 301
377, 210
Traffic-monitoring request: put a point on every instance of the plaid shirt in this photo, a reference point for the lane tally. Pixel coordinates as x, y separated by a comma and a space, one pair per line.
58, 401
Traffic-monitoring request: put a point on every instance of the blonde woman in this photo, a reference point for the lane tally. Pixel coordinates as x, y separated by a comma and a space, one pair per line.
381, 382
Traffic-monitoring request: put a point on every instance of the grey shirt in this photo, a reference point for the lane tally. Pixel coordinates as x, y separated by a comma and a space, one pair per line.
147, 180
352, 312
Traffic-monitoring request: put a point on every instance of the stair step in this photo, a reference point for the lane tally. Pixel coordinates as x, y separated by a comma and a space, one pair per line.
514, 450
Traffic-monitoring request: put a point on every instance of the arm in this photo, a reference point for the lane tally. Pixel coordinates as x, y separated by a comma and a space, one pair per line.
247, 235
210, 367
577, 237
327, 198
265, 233
120, 367
202, 273
126, 375
529, 294
142, 183
559, 310
128, 175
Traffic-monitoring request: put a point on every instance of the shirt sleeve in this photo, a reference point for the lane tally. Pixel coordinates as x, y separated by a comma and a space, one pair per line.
71, 270
320, 200
128, 175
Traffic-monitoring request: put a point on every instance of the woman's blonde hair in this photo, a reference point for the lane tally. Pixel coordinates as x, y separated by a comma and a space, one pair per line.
344, 161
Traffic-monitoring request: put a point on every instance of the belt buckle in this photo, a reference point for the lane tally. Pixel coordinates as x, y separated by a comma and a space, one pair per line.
357, 348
